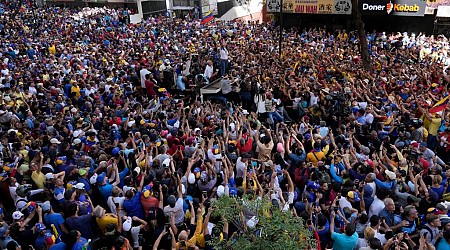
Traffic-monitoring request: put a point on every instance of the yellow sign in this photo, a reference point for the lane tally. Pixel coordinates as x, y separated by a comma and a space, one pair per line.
314, 6
288, 6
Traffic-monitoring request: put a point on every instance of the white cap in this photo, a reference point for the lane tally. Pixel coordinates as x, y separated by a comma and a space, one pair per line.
17, 215
76, 141
79, 186
55, 141
93, 179
77, 133
13, 130
244, 112
220, 191
196, 129
21, 204
191, 178
131, 123
127, 224
390, 174
73, 110
138, 170
49, 176
166, 162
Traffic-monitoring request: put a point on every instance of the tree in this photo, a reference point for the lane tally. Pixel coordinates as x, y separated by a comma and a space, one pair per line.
363, 48
275, 229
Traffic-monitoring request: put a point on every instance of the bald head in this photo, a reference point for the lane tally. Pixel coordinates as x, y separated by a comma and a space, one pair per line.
183, 236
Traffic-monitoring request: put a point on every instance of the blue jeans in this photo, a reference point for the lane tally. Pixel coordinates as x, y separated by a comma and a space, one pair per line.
275, 117
223, 66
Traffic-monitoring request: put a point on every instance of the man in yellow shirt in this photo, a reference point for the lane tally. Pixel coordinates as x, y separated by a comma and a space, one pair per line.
37, 176
435, 123
319, 152
75, 90
103, 219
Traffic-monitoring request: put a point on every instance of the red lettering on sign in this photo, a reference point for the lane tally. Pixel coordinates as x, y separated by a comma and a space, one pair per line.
311, 9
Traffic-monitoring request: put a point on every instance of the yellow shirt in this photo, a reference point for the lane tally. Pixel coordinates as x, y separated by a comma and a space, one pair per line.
193, 241
105, 220
76, 90
52, 50
315, 157
434, 126
38, 178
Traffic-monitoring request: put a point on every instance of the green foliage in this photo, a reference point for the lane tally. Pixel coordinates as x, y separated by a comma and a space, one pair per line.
275, 229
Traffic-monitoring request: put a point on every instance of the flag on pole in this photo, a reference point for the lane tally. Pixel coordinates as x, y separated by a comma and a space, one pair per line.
207, 17
440, 105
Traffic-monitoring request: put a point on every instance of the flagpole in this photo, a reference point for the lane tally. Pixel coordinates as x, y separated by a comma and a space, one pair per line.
280, 39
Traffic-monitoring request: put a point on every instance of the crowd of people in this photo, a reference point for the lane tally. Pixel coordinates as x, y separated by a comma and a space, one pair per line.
106, 143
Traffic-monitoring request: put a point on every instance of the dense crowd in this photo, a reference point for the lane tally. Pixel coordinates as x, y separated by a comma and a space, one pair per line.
106, 144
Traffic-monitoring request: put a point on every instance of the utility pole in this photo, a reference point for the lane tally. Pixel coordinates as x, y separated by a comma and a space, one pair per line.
280, 39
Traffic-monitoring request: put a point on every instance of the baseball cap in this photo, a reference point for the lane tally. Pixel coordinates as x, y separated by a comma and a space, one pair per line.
76, 141
31, 206
40, 227
49, 176
17, 215
55, 141
191, 178
82, 171
46, 207
390, 174
147, 193
93, 178
313, 185
79, 186
50, 239
101, 177
354, 195
127, 224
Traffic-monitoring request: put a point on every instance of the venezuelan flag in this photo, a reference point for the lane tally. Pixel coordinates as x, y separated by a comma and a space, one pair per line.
440, 105
207, 17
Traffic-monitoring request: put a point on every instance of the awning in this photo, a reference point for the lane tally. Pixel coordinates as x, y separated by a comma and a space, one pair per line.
443, 11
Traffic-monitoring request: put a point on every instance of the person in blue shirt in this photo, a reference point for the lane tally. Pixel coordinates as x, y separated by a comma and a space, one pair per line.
80, 243
52, 218
42, 233
83, 179
132, 203
444, 243
390, 182
105, 187
343, 241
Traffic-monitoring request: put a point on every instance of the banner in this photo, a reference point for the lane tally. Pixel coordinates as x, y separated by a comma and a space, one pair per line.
393, 7
311, 6
314, 6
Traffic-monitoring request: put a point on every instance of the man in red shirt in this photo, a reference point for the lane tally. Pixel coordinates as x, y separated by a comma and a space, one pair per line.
149, 201
150, 85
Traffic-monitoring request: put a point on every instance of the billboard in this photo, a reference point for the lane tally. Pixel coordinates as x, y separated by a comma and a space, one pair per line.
393, 7
311, 6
